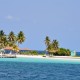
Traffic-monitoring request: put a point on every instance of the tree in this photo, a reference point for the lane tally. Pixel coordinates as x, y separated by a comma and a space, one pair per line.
64, 52
2, 33
68, 52
51, 47
11, 38
55, 45
20, 37
15, 48
47, 42
3, 39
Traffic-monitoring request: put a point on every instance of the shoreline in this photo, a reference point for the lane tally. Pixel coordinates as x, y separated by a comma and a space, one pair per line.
47, 57
29, 56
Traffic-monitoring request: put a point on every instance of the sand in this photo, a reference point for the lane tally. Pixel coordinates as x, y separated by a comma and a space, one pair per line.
47, 57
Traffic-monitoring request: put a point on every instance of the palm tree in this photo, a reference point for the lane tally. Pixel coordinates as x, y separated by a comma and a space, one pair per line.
20, 38
15, 48
55, 44
49, 48
47, 41
1, 32
3, 39
11, 38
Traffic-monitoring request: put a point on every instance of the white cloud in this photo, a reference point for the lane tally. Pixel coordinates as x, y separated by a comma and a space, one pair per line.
12, 18
9, 17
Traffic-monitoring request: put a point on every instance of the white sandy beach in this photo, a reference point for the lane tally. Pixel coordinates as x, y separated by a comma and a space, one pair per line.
47, 57
29, 56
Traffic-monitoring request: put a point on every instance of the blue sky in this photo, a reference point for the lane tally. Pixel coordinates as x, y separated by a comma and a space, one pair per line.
58, 19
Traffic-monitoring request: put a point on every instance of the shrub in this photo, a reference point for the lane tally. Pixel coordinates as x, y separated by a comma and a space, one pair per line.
64, 52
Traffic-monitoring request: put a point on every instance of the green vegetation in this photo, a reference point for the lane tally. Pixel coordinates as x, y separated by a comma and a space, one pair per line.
29, 52
3, 39
20, 38
11, 40
64, 52
53, 48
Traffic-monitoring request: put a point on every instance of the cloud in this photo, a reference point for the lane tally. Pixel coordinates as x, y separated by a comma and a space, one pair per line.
12, 18
9, 17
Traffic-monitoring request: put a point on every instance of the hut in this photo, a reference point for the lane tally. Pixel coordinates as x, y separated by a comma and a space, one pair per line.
73, 53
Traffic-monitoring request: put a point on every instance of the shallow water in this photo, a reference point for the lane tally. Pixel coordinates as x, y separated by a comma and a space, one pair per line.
30, 69
42, 60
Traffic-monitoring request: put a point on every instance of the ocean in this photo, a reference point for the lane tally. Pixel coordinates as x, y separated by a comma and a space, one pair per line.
38, 69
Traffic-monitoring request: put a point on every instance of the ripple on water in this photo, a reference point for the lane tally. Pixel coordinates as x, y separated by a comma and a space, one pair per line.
11, 70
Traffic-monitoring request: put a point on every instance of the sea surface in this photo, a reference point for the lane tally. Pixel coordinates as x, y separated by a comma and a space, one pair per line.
38, 69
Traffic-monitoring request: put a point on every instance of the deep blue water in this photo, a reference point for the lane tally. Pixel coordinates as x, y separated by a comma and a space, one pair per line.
17, 70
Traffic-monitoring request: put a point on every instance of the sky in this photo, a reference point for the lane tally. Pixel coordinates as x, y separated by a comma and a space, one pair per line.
58, 19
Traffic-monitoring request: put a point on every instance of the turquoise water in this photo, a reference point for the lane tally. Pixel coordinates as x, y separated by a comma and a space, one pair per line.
39, 69
41, 60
